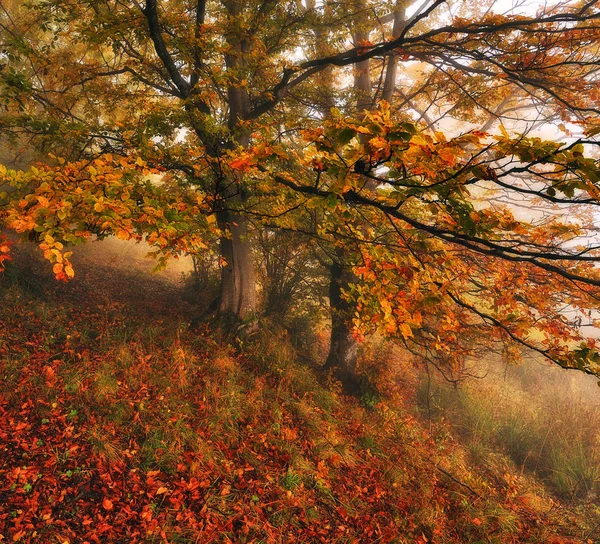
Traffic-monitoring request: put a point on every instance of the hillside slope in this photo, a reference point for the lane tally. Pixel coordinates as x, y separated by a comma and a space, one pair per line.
120, 424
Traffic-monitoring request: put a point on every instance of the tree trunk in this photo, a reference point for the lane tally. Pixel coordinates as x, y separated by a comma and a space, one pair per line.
392, 62
238, 288
362, 69
238, 299
343, 349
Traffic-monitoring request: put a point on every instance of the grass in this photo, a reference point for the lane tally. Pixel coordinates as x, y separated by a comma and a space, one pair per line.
125, 425
530, 415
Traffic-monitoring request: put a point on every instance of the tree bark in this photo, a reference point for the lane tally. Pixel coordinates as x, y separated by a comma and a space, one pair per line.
238, 287
362, 69
238, 298
392, 62
343, 350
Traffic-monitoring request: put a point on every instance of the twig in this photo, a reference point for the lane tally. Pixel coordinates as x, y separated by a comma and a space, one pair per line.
457, 481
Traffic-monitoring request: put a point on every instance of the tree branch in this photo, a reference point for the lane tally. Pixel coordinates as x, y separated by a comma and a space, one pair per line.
478, 245
292, 76
151, 15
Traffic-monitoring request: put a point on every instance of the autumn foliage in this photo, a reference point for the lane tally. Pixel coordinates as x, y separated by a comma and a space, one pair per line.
413, 189
434, 169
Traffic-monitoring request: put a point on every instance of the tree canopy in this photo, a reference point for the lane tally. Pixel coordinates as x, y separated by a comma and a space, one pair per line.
445, 153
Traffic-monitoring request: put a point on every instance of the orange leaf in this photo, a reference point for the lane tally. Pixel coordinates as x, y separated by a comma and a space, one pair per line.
406, 331
242, 163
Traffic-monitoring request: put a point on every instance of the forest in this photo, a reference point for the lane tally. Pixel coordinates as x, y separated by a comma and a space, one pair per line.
288, 271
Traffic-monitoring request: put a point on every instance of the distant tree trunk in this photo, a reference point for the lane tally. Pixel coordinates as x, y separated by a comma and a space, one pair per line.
392, 62
362, 70
343, 349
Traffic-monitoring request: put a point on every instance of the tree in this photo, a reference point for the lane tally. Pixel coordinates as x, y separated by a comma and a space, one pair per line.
434, 218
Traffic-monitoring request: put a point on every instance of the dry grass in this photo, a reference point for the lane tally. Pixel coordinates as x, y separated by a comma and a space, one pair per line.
547, 420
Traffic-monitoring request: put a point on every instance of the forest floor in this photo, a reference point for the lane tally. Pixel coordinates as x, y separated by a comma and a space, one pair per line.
120, 424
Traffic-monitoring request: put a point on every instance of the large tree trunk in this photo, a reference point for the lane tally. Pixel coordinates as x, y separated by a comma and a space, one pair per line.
238, 287
343, 349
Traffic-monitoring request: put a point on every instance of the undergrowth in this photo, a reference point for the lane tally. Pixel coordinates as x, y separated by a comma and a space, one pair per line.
546, 424
121, 426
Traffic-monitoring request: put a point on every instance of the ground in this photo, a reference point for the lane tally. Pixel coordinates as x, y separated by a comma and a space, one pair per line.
120, 423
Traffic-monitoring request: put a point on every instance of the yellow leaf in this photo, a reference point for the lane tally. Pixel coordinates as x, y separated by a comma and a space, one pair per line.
391, 327
69, 271
406, 331
378, 142
440, 136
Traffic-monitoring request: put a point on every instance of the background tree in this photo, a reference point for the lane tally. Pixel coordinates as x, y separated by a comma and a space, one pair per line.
290, 275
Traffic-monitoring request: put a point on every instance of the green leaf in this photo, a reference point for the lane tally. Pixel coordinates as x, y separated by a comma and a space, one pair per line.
409, 127
345, 135
479, 172
400, 135
591, 172
568, 190
331, 202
